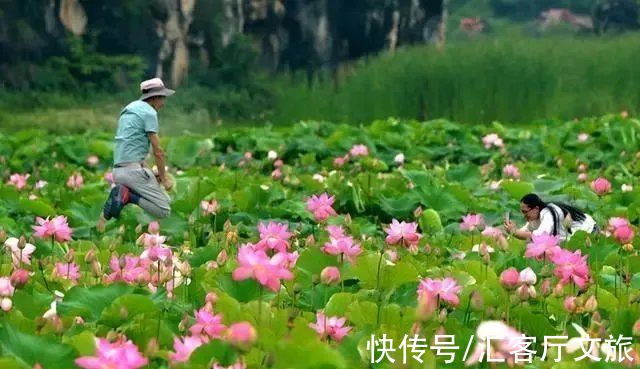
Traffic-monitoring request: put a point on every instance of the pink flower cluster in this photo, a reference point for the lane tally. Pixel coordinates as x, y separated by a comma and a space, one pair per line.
569, 266
321, 206
209, 206
341, 244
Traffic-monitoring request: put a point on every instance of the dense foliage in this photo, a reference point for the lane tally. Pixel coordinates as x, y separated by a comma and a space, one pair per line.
250, 238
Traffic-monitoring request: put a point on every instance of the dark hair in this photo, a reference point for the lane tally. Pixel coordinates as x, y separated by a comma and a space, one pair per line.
534, 201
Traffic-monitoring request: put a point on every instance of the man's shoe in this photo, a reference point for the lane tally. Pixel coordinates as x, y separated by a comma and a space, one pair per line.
118, 198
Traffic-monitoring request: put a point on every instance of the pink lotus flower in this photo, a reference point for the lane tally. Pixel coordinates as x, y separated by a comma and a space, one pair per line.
571, 267
208, 324
340, 161
19, 255
93, 160
493, 232
492, 139
343, 246
117, 355
406, 233
446, 289
510, 278
75, 181
499, 341
256, 264
332, 327
471, 222
6, 288
601, 186
241, 333
359, 150
511, 171
274, 236
184, 347
543, 245
40, 184
19, 181
320, 206
69, 271
330, 275
57, 227
209, 207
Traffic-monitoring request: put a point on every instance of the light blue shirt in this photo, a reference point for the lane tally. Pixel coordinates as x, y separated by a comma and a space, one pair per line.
132, 142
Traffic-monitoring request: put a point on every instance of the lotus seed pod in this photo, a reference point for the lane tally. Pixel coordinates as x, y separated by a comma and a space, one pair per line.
430, 221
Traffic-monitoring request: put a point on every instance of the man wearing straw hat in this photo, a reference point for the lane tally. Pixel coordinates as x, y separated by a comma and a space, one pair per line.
137, 131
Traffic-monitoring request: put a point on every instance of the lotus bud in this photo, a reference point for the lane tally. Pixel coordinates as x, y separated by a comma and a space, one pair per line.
310, 240
426, 308
154, 227
19, 278
90, 256
545, 288
96, 269
442, 316
78, 320
22, 243
69, 256
477, 302
241, 334
152, 348
330, 275
347, 219
628, 247
582, 177
427, 249
211, 297
510, 278
6, 304
227, 225
221, 259
486, 258
558, 290
636, 328
591, 304
139, 229
570, 304
417, 212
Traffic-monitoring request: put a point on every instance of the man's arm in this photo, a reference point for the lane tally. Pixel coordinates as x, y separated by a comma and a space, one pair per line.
158, 153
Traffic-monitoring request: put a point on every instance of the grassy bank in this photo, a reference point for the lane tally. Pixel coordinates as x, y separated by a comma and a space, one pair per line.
510, 80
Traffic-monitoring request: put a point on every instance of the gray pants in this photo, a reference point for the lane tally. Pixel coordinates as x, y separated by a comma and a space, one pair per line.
153, 199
